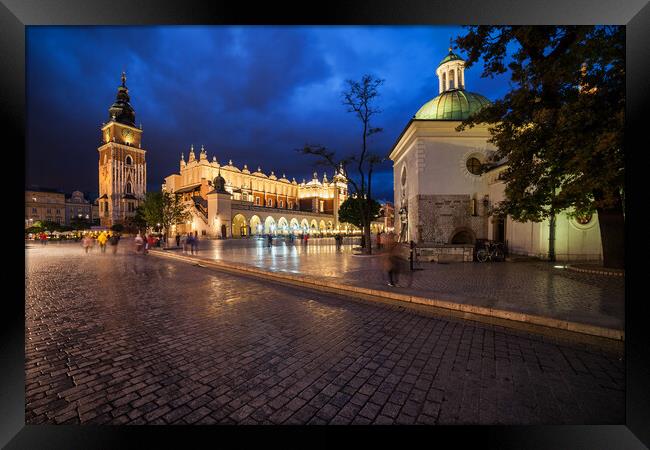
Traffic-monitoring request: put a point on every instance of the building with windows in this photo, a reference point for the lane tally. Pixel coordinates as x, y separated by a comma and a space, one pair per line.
253, 202
44, 204
443, 197
76, 206
122, 162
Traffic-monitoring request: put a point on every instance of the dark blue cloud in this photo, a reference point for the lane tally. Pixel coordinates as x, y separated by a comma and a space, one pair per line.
250, 94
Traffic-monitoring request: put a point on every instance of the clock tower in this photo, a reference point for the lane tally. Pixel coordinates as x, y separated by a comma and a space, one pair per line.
122, 164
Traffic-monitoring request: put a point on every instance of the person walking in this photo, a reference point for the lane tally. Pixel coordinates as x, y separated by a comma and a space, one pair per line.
102, 238
87, 242
195, 243
189, 243
392, 263
43, 237
379, 239
269, 240
338, 239
178, 240
114, 240
138, 243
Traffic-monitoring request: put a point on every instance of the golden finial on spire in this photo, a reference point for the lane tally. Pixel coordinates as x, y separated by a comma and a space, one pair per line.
450, 41
123, 78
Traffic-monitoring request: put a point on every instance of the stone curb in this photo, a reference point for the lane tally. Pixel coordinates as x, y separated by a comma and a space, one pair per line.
349, 290
597, 272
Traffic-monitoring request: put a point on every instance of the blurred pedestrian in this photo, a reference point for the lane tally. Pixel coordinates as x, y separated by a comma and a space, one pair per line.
102, 238
189, 243
195, 243
87, 242
139, 242
113, 241
178, 240
392, 262
269, 240
43, 238
338, 239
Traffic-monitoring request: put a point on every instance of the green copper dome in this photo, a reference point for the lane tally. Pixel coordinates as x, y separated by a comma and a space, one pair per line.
450, 57
455, 104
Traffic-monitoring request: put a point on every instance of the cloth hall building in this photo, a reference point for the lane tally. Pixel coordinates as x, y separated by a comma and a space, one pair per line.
443, 197
227, 201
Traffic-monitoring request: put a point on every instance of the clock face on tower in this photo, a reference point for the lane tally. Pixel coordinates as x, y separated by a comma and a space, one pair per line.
126, 132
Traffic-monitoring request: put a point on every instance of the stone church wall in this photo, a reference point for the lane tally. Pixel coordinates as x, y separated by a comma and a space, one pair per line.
439, 217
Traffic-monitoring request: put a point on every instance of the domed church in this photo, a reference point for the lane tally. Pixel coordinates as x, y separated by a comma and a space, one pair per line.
443, 197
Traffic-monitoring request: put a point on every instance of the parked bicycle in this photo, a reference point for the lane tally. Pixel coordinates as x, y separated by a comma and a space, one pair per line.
493, 251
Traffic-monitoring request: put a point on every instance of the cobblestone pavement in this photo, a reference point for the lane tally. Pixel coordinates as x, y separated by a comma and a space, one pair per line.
134, 339
530, 287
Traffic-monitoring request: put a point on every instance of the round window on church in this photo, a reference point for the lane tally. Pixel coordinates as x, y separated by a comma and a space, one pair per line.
473, 166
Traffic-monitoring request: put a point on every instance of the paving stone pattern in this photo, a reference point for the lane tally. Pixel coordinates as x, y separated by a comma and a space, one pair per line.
133, 339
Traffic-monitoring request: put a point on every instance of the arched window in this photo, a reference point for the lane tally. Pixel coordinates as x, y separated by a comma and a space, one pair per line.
128, 161
444, 81
128, 188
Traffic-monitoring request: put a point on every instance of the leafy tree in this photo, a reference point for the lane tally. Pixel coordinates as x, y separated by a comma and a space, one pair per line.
349, 211
163, 208
33, 229
151, 209
561, 125
138, 221
359, 99
48, 225
173, 213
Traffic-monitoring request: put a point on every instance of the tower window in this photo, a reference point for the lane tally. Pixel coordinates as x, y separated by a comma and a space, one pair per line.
128, 161
128, 188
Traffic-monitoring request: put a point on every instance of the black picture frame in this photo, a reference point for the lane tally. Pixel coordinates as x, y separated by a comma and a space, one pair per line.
15, 15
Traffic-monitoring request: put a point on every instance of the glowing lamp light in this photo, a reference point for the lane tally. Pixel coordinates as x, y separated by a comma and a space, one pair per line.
560, 267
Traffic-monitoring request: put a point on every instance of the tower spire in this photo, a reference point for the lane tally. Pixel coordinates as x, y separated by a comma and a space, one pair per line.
450, 42
123, 79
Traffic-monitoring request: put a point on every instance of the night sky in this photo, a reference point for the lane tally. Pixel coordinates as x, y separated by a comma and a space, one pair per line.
250, 94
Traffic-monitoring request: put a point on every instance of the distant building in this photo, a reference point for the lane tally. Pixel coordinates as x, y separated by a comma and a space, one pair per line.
122, 164
44, 204
77, 206
226, 201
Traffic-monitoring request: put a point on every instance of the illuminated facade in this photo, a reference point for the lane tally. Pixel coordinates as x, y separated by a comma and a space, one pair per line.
254, 202
443, 197
122, 163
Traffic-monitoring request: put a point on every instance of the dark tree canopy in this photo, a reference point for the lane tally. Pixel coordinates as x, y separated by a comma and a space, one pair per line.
349, 211
561, 126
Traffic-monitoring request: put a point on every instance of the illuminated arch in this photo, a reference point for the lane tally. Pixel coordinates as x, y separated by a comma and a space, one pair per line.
294, 225
283, 226
321, 226
304, 225
269, 225
239, 226
255, 223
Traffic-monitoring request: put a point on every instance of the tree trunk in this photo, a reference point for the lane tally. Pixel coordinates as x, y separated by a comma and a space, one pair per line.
551, 238
366, 233
612, 236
